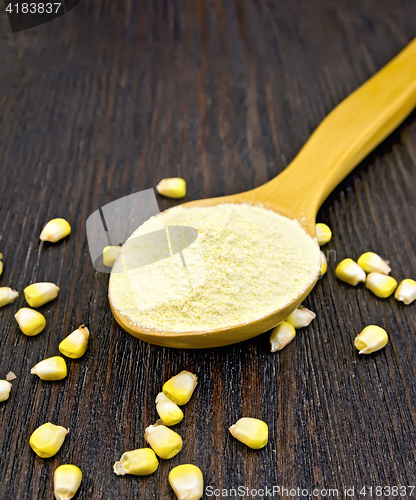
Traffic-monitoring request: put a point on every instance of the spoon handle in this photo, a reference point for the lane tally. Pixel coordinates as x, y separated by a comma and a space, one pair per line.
346, 136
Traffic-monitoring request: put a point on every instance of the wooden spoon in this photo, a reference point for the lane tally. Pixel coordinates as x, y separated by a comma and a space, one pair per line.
351, 131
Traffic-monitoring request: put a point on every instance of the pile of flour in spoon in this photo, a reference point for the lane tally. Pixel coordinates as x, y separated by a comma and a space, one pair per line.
245, 263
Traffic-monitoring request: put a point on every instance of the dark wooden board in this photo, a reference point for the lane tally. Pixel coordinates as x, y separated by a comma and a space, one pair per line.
114, 96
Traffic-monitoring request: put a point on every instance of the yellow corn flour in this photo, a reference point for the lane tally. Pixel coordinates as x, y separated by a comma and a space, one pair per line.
245, 263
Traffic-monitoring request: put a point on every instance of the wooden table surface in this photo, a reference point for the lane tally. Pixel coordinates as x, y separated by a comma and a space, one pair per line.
114, 96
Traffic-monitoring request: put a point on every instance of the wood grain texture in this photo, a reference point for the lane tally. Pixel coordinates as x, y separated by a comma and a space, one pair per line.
110, 98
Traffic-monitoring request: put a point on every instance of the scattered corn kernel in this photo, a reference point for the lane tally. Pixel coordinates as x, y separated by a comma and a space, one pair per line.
406, 291
40, 293
75, 345
180, 388
371, 339
380, 284
1, 266
55, 230
174, 187
350, 272
323, 233
31, 322
10, 376
140, 462
324, 264
300, 317
67, 480
372, 263
5, 388
187, 482
47, 439
281, 335
7, 296
252, 432
50, 369
168, 411
110, 255
165, 442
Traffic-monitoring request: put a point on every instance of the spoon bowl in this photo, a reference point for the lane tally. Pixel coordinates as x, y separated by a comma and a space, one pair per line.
346, 136
221, 336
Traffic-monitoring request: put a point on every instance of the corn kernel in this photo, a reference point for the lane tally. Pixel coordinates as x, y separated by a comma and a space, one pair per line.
168, 411
174, 187
350, 272
1, 267
7, 296
110, 255
300, 317
406, 291
75, 345
252, 432
324, 264
40, 293
371, 339
281, 335
55, 230
5, 388
180, 388
67, 480
372, 263
50, 369
141, 462
165, 442
31, 322
47, 439
381, 285
187, 482
10, 376
323, 233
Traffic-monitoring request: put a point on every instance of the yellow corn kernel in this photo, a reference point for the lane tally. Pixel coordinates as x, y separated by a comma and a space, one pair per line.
47, 439
1, 267
31, 322
55, 230
10, 376
165, 442
381, 285
5, 388
141, 462
7, 296
372, 263
187, 482
406, 291
350, 272
300, 317
50, 369
371, 339
324, 264
252, 432
40, 293
281, 335
180, 388
75, 345
67, 480
168, 411
323, 233
174, 187
110, 255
